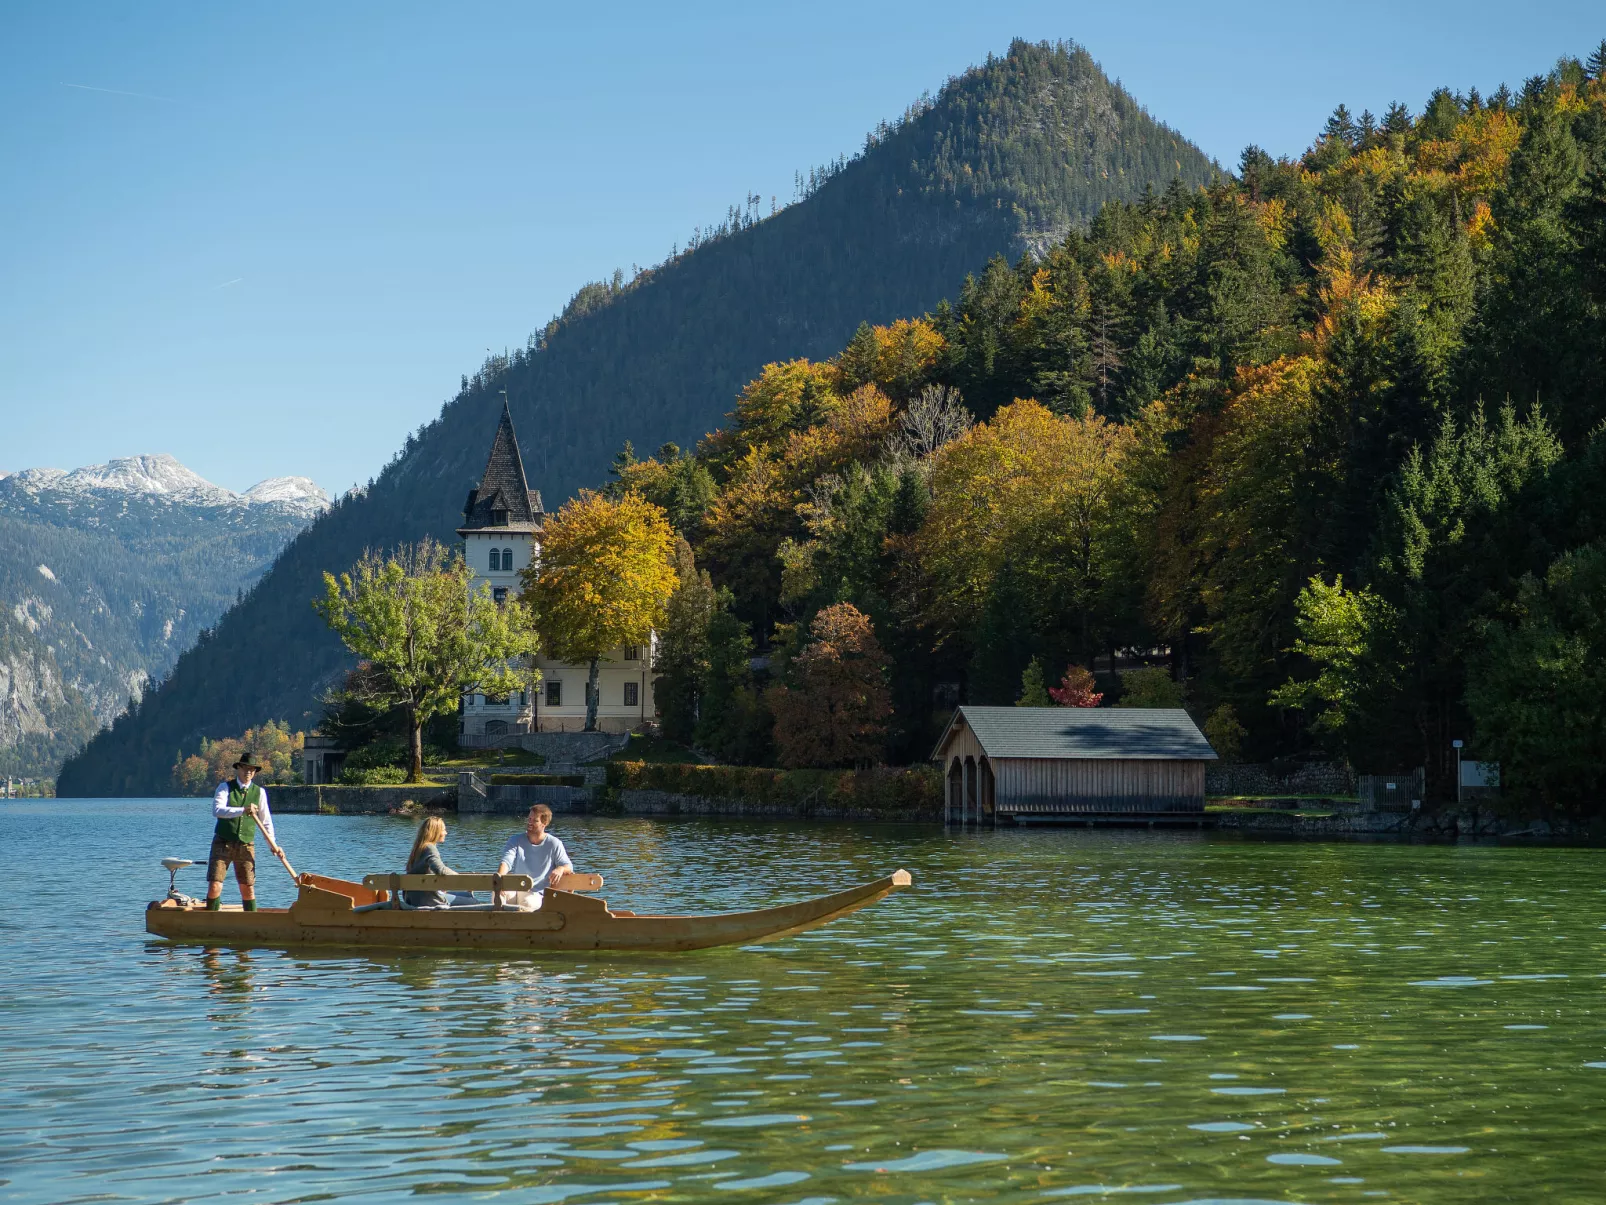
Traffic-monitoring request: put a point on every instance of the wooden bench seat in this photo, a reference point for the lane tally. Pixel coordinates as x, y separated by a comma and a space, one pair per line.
474, 882
448, 882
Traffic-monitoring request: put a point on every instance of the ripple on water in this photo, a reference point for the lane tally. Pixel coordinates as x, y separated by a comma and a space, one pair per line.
758, 1120
509, 1063
927, 1161
1452, 981
773, 1180
1293, 1159
1108, 1190
1427, 1150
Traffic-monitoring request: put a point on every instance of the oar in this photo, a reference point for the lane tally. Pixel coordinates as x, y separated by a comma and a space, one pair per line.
279, 850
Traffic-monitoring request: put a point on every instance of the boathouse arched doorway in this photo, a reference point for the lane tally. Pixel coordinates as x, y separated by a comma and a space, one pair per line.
956, 790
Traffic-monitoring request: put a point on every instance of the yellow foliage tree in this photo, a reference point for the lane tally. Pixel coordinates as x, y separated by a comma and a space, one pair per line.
897, 359
1028, 480
603, 579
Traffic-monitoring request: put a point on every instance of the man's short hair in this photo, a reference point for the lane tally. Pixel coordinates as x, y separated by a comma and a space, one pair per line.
542, 813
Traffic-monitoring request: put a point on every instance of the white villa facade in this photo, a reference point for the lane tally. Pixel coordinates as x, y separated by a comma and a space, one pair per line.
501, 535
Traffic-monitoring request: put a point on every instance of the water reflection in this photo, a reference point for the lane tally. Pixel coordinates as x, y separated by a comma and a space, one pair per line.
1045, 1014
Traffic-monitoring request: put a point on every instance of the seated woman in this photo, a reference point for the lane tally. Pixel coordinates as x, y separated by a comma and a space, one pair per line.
426, 859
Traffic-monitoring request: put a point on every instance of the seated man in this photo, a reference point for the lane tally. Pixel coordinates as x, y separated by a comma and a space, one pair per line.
537, 853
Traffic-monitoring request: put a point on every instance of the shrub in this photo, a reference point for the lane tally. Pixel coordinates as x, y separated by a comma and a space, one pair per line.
371, 776
1152, 687
888, 790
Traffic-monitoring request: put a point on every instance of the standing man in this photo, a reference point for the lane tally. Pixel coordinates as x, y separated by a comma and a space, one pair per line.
537, 853
240, 807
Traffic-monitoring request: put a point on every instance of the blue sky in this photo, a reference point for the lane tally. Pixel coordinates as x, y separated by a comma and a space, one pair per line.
268, 239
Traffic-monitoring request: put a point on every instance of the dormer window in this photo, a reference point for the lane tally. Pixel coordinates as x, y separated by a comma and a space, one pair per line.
499, 518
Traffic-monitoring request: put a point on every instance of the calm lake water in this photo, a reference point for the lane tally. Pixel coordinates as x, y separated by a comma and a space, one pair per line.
1044, 1015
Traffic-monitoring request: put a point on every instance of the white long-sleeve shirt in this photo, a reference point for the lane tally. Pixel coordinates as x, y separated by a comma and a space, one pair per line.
222, 810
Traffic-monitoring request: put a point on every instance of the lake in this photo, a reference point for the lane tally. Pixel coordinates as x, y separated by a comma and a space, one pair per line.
1045, 1015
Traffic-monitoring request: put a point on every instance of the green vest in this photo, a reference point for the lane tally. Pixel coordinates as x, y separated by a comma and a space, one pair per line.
240, 828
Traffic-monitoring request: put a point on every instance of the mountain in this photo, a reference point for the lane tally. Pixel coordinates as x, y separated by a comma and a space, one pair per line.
1004, 160
107, 573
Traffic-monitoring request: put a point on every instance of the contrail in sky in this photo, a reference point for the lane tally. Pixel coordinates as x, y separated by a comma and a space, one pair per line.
227, 283
118, 92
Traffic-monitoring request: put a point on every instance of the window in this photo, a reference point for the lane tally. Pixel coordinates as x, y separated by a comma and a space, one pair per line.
507, 560
632, 653
499, 594
496, 560
632, 694
554, 694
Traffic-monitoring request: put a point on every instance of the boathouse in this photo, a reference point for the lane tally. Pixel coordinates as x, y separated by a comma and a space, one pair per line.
1077, 764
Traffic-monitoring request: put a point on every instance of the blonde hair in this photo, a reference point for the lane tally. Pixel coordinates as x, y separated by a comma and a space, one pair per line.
431, 831
542, 813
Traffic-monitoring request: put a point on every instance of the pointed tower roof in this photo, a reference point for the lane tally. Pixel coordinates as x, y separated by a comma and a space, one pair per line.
504, 499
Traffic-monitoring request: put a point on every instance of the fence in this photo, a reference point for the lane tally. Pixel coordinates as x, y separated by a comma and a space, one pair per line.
1392, 792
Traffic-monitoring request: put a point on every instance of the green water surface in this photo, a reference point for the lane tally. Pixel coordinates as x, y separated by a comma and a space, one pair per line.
1044, 1015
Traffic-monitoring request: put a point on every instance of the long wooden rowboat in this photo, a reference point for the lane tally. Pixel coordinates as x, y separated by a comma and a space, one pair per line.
335, 912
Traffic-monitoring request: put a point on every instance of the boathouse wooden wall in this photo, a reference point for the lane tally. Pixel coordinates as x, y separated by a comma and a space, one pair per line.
1050, 785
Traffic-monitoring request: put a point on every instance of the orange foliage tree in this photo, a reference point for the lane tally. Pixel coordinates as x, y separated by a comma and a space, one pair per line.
274, 745
836, 712
1076, 689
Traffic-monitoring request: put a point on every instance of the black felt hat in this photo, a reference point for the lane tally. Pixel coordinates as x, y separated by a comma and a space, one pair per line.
247, 761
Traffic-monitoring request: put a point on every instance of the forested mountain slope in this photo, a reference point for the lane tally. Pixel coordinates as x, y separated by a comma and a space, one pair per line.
1332, 432
107, 573
1008, 157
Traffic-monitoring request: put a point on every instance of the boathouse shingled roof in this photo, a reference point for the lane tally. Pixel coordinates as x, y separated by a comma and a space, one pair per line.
1148, 733
504, 486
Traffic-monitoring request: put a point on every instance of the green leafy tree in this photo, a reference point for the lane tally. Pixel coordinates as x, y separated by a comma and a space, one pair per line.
733, 723
415, 617
682, 661
1149, 688
1225, 733
1536, 687
1032, 691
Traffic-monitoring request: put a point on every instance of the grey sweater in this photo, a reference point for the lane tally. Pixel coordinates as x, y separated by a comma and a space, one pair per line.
427, 861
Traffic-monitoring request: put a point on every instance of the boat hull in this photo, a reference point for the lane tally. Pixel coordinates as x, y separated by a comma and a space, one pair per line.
324, 914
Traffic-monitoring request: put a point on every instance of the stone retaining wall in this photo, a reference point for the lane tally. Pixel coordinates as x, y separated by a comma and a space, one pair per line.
1306, 778
359, 801
1440, 825
634, 802
493, 800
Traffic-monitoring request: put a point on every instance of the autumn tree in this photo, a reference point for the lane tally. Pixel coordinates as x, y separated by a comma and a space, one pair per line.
274, 745
603, 579
1023, 536
1076, 689
416, 617
835, 711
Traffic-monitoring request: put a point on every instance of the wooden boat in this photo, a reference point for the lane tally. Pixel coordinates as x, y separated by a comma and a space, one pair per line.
330, 911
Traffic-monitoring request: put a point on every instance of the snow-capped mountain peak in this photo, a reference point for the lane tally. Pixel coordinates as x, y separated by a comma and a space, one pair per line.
162, 476
288, 491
